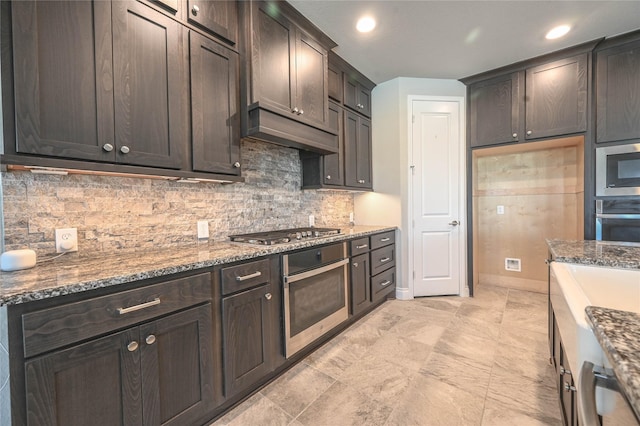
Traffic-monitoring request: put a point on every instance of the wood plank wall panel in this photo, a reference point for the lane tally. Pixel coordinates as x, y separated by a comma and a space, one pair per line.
542, 191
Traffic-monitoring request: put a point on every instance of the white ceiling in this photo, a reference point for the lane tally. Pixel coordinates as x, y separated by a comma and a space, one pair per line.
454, 39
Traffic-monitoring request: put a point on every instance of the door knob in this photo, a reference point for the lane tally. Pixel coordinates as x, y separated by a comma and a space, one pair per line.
454, 223
125, 149
107, 147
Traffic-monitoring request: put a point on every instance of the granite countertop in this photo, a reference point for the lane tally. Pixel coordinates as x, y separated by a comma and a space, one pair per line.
596, 253
618, 332
73, 274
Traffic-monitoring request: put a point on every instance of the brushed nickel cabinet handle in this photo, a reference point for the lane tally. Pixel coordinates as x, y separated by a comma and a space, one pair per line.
194, 10
362, 246
268, 296
385, 259
360, 180
384, 240
107, 147
124, 149
529, 132
150, 340
132, 346
385, 283
355, 264
154, 302
236, 164
248, 277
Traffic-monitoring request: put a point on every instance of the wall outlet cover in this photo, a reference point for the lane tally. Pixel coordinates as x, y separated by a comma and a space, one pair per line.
203, 229
312, 220
500, 209
66, 240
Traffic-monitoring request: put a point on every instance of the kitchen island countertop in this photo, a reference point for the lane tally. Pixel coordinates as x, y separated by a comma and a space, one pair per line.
73, 273
608, 254
618, 333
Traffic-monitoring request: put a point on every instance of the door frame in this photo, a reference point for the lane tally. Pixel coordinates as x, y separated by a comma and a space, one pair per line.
463, 287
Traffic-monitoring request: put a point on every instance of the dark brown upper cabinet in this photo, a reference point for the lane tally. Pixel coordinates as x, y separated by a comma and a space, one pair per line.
149, 75
618, 89
556, 98
63, 79
335, 81
215, 107
357, 93
539, 98
495, 110
287, 75
357, 142
83, 86
216, 16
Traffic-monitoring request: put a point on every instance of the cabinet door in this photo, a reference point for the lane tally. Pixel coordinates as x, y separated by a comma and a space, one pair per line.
96, 383
273, 57
356, 96
215, 109
218, 16
311, 80
63, 79
495, 108
148, 81
357, 142
360, 283
247, 332
364, 99
618, 93
335, 83
557, 98
334, 163
177, 358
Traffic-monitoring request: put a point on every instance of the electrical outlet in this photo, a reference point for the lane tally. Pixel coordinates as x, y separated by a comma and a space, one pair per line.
312, 220
500, 209
351, 217
203, 229
66, 240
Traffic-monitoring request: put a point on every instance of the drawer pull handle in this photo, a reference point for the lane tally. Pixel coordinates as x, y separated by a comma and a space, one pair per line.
248, 277
154, 302
268, 296
385, 283
385, 259
150, 340
132, 346
355, 264
384, 240
362, 246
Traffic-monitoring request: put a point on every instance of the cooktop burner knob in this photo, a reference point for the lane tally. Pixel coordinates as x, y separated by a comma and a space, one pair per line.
298, 236
317, 233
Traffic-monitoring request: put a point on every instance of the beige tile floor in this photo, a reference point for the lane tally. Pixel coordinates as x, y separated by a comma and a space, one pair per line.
429, 361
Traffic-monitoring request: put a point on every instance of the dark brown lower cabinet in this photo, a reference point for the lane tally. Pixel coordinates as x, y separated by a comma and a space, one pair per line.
248, 337
567, 396
157, 373
360, 283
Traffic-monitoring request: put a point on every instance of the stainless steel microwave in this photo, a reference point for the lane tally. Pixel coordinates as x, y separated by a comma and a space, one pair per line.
618, 170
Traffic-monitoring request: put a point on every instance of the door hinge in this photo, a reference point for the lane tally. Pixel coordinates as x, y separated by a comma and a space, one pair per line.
413, 223
414, 275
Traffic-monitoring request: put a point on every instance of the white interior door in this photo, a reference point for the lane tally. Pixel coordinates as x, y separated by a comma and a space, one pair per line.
437, 235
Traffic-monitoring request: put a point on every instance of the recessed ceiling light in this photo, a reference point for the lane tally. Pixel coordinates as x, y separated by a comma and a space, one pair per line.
557, 32
366, 24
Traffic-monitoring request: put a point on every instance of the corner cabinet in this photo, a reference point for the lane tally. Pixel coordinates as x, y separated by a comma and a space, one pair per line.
351, 167
157, 370
618, 89
287, 77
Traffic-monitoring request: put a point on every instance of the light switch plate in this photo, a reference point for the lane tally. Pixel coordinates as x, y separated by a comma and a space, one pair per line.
203, 229
500, 209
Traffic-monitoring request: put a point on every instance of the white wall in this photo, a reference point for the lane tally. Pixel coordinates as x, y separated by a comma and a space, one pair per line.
389, 203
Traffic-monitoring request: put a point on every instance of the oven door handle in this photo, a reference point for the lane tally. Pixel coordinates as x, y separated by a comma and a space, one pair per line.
617, 216
314, 272
591, 377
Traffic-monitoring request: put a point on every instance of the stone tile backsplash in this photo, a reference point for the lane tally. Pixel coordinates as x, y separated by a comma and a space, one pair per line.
114, 213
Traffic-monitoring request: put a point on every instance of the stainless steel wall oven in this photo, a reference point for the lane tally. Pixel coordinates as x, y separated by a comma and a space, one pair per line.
618, 220
315, 294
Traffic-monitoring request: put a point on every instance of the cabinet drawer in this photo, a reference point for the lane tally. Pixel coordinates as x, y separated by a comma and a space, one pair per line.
62, 325
384, 239
359, 246
244, 276
383, 258
383, 284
